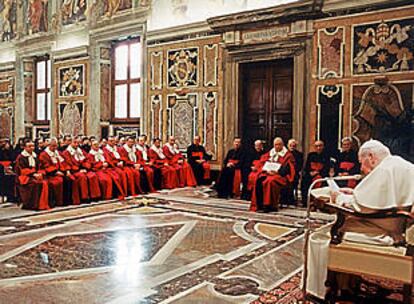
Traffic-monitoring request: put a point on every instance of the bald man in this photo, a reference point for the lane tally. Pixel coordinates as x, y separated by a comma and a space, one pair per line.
317, 166
277, 171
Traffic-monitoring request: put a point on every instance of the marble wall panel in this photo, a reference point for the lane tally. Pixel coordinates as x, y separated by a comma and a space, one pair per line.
183, 68
330, 100
156, 116
331, 52
6, 122
210, 65
384, 111
383, 47
71, 118
105, 92
182, 112
210, 107
156, 70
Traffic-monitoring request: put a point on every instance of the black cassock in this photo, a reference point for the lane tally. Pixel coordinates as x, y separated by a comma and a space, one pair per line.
347, 162
226, 178
314, 162
194, 153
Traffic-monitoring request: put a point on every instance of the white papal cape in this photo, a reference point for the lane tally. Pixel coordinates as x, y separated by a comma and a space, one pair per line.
390, 184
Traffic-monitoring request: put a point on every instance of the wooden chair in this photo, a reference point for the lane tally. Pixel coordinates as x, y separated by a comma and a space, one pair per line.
386, 262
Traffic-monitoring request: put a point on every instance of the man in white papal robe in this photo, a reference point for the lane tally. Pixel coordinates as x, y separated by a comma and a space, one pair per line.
388, 183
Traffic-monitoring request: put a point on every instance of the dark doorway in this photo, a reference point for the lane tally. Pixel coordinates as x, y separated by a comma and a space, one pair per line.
267, 90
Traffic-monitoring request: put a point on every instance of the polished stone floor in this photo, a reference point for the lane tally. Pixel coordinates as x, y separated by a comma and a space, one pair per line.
179, 246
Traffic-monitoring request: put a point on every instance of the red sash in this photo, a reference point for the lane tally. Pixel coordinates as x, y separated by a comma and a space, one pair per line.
5, 163
237, 182
197, 154
348, 166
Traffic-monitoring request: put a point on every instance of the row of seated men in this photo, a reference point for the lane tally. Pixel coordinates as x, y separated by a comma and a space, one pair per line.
264, 176
56, 177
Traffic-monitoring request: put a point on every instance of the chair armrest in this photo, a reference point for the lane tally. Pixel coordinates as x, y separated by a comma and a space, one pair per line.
344, 212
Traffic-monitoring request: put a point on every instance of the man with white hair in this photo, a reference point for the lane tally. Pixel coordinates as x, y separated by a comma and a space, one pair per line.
277, 171
388, 183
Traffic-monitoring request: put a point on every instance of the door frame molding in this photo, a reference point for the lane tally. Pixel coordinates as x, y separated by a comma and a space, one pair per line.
297, 49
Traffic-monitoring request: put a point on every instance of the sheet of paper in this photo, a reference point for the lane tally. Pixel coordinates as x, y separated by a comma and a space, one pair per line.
269, 166
332, 185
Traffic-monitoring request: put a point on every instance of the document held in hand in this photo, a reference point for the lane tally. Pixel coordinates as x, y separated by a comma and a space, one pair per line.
270, 166
332, 185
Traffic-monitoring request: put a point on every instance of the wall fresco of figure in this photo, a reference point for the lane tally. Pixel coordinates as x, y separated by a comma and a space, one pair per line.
37, 16
8, 17
71, 81
111, 7
73, 11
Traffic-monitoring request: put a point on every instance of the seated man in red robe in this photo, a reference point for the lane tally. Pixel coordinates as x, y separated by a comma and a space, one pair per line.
198, 159
176, 159
115, 162
57, 173
317, 166
33, 188
159, 161
128, 155
277, 172
106, 175
88, 183
153, 174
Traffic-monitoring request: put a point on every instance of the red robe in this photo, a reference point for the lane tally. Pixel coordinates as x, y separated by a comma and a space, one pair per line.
106, 177
184, 171
88, 182
169, 174
34, 193
147, 168
272, 184
55, 182
125, 179
134, 176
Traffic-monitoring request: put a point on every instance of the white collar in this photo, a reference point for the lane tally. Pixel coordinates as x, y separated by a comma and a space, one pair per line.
113, 150
31, 158
54, 156
173, 149
158, 151
274, 155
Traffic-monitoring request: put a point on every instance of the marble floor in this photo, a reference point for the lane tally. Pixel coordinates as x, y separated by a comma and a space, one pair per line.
179, 246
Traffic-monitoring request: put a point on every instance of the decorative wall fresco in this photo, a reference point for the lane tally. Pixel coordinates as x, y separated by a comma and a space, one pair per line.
330, 100
331, 44
183, 68
111, 7
182, 112
8, 19
385, 46
73, 11
37, 16
71, 81
384, 111
71, 118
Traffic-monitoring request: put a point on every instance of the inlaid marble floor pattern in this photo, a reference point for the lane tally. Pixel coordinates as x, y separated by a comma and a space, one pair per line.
167, 248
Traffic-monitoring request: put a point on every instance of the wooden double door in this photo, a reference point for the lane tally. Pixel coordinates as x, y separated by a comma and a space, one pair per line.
267, 91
